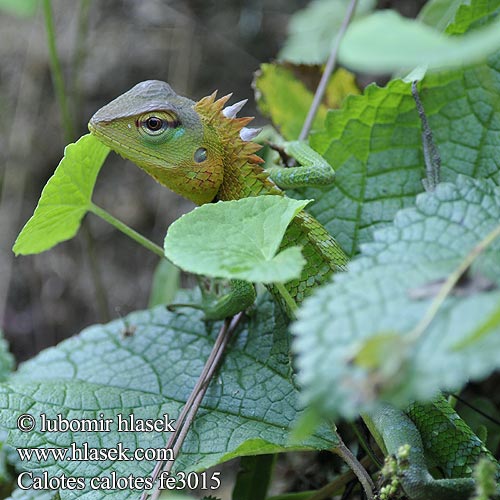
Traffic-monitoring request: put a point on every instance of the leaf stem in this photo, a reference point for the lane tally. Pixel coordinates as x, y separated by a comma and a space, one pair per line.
450, 283
131, 233
330, 66
57, 75
287, 298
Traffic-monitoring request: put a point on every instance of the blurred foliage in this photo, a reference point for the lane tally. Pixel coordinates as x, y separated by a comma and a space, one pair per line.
313, 29
24, 8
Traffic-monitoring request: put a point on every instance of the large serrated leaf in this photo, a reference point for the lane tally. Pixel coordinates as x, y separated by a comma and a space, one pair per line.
249, 408
353, 336
374, 141
237, 240
65, 198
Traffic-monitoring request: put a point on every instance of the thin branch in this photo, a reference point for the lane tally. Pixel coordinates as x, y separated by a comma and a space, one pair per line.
338, 483
450, 283
364, 478
330, 66
193, 403
431, 154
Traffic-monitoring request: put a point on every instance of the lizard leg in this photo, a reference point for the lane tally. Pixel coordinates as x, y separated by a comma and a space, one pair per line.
240, 296
313, 170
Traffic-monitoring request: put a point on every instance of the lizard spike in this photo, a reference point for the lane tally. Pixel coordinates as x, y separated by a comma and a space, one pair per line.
207, 101
243, 121
247, 134
252, 147
212, 96
257, 159
220, 103
234, 109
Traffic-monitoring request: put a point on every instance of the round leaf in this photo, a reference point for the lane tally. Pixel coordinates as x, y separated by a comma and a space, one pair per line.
237, 240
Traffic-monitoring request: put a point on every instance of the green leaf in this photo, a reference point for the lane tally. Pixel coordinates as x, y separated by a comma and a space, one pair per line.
254, 477
386, 41
313, 29
249, 408
353, 336
65, 198
374, 144
166, 282
283, 96
285, 100
237, 240
21, 8
473, 15
439, 13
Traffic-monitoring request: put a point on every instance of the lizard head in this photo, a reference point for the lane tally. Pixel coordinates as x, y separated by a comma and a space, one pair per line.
162, 133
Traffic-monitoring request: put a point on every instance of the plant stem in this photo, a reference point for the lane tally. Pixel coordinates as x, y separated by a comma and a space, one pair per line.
131, 233
287, 298
431, 154
364, 478
330, 66
193, 403
365, 445
57, 75
339, 482
450, 283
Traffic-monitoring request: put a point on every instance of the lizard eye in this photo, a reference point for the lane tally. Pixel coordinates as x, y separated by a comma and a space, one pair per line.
154, 125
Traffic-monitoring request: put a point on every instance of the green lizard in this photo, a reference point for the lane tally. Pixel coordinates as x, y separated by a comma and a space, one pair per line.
204, 152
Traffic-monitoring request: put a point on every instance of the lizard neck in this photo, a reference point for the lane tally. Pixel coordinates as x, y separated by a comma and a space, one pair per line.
243, 175
243, 178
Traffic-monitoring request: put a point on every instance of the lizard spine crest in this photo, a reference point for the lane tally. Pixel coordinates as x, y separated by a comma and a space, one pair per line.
242, 165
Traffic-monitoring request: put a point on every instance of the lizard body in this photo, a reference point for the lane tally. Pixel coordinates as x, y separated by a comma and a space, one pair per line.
199, 153
200, 150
